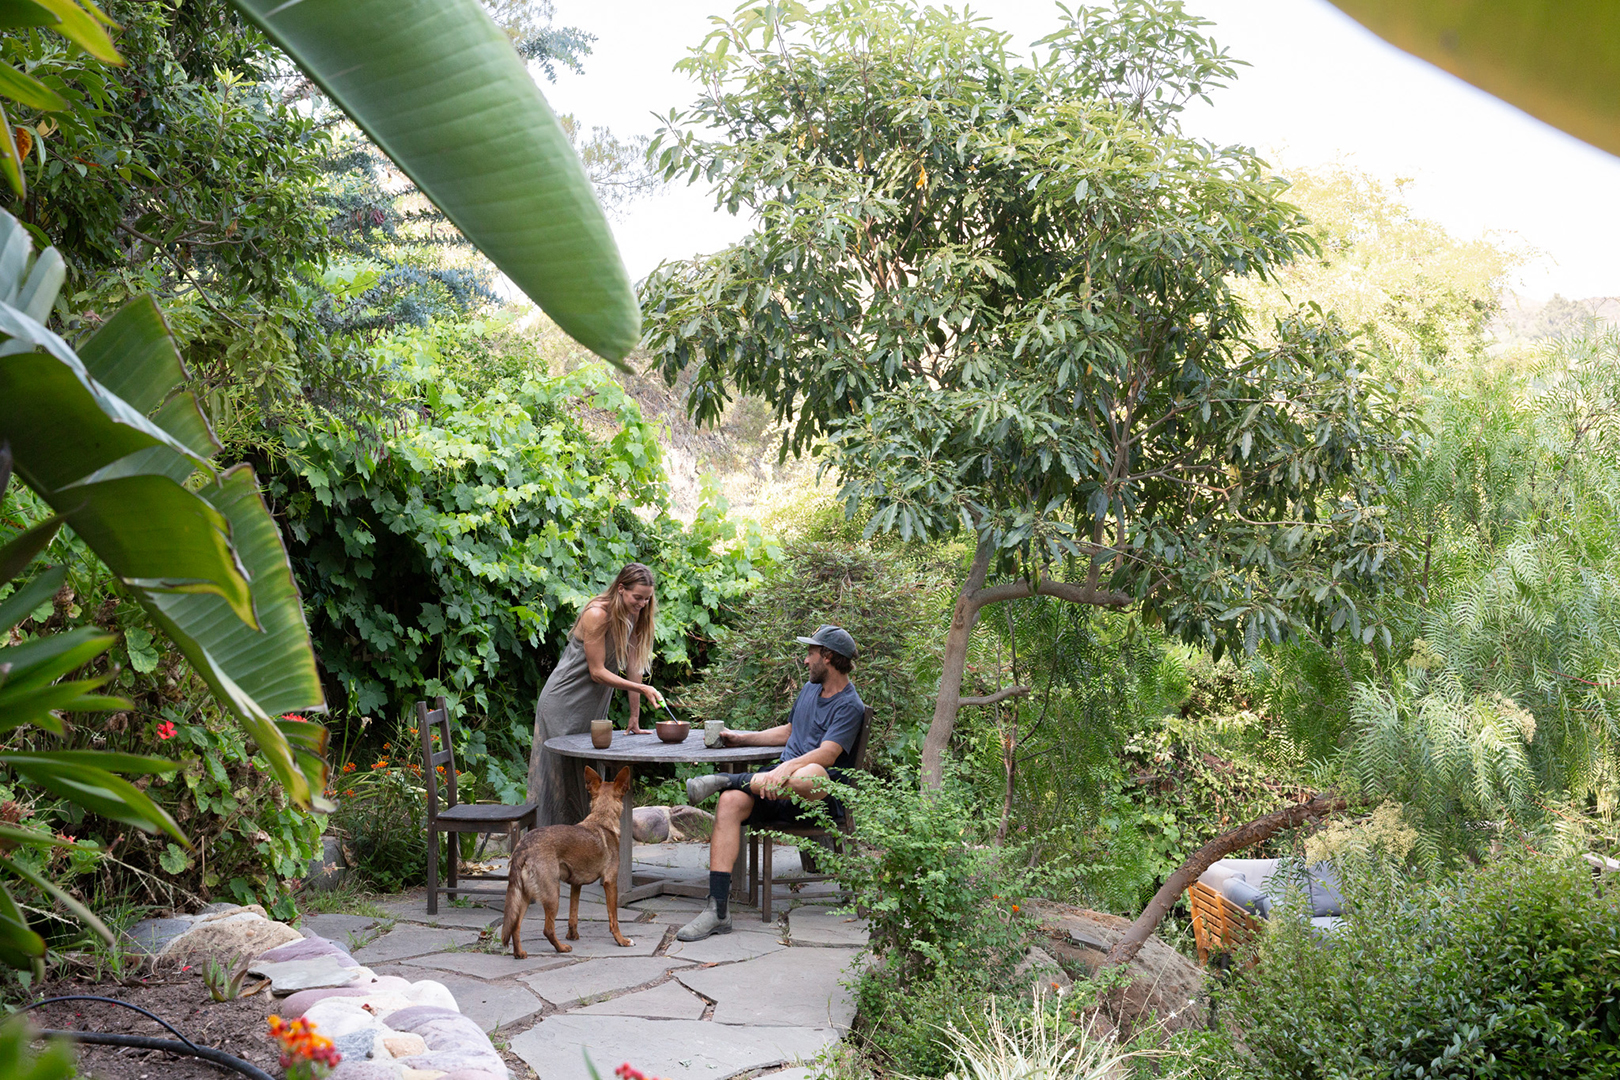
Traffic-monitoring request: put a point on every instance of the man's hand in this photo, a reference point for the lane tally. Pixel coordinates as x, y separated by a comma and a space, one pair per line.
771, 784
736, 738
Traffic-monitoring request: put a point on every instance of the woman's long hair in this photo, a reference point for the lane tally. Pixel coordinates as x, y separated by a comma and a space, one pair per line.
632, 645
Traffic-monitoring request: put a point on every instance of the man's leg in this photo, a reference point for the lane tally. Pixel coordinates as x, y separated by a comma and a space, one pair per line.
724, 842
807, 782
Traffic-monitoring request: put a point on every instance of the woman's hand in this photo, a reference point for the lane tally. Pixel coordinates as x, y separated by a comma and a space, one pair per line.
654, 698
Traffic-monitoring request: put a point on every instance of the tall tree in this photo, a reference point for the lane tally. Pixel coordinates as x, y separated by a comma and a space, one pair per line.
998, 296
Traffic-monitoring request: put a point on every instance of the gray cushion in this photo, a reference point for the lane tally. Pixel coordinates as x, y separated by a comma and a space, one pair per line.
1245, 896
1323, 882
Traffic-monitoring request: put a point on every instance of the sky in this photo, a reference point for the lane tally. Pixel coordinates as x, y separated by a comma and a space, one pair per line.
1319, 89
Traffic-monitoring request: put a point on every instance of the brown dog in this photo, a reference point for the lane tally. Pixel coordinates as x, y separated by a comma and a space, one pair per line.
577, 854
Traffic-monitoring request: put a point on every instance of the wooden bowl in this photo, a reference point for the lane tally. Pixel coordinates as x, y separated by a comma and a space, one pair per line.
673, 730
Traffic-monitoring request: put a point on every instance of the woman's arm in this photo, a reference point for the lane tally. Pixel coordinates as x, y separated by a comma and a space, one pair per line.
593, 636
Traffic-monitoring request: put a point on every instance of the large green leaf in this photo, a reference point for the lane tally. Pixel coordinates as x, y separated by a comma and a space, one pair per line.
258, 674
97, 789
133, 356
159, 537
441, 91
1558, 62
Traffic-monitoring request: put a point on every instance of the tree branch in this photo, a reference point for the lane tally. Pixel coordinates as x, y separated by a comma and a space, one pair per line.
1243, 836
1063, 590
1000, 695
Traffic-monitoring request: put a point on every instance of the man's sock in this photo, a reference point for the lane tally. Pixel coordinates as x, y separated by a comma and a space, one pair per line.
738, 781
720, 890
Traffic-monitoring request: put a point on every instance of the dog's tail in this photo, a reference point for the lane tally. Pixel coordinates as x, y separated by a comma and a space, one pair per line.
516, 900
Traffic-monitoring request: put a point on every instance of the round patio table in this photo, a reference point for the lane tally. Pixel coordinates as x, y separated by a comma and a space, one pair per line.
646, 749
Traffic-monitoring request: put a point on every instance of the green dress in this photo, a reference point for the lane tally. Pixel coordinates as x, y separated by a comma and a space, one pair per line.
569, 702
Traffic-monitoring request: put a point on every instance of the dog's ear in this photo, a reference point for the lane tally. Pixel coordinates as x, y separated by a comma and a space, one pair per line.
592, 781
621, 783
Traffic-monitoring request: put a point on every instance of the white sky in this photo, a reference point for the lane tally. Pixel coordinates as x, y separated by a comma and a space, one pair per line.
1320, 89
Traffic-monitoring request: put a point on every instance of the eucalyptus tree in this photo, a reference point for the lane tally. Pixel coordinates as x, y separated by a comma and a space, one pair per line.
997, 296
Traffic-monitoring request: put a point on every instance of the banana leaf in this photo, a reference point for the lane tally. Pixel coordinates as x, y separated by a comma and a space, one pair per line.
440, 90
1558, 62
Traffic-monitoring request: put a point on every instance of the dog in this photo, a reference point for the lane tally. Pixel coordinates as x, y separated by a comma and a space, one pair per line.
578, 854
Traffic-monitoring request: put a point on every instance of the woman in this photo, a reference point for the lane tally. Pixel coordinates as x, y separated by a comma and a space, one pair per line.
613, 634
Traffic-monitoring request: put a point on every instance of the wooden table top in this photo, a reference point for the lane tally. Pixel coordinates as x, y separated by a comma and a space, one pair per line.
648, 748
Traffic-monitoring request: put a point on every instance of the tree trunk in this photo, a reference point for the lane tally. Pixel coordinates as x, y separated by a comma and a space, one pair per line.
1239, 838
952, 668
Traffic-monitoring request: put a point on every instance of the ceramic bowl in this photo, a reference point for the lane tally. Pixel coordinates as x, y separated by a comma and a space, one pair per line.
673, 730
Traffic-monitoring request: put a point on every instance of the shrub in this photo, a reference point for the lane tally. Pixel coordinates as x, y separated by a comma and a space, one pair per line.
757, 669
1508, 970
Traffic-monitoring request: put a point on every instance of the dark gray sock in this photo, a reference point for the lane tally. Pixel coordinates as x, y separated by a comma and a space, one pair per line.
720, 890
739, 781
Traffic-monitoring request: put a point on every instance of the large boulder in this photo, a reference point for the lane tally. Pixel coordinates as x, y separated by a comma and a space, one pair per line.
1166, 988
229, 934
671, 824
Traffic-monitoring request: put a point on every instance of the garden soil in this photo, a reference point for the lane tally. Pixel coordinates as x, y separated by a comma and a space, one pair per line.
179, 995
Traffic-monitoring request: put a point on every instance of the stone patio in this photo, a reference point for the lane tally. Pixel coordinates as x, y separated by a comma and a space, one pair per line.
762, 999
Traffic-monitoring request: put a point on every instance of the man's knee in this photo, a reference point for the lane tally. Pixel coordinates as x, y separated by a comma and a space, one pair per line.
733, 807
810, 782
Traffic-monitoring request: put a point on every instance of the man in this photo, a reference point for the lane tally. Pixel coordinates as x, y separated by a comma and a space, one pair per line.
817, 742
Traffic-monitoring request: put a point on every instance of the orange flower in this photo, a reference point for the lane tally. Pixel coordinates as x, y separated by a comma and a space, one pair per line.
348, 766
388, 746
1015, 909
380, 763
300, 1044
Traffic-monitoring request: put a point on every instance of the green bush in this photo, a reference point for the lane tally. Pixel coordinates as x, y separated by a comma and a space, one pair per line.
936, 893
449, 552
1508, 970
756, 670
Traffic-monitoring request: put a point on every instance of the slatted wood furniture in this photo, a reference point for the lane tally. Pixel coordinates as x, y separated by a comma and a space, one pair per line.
761, 876
1219, 925
456, 818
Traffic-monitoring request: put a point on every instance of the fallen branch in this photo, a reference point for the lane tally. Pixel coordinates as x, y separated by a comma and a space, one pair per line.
1000, 695
1219, 848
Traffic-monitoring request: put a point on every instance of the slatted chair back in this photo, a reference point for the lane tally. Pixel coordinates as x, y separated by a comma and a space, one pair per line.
1220, 926
430, 723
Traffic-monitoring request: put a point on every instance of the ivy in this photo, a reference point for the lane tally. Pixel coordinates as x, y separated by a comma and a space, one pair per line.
449, 551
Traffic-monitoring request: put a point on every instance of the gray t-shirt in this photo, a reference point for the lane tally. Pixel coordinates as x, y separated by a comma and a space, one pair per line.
817, 719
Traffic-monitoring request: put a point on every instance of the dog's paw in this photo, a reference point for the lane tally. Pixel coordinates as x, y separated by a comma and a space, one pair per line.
519, 954
563, 948
573, 935
625, 943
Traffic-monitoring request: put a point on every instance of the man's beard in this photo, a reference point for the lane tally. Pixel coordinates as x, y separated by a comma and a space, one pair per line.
818, 675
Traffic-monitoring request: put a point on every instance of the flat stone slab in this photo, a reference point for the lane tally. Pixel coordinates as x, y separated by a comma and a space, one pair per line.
815, 926
671, 1001
594, 939
489, 1005
316, 973
406, 941
793, 1072
337, 927
802, 989
483, 965
413, 910
726, 948
593, 978
556, 1047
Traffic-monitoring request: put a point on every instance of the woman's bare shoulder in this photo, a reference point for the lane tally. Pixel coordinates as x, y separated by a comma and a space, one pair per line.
593, 620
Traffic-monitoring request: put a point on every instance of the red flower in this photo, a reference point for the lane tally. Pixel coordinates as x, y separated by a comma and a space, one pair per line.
166, 730
294, 716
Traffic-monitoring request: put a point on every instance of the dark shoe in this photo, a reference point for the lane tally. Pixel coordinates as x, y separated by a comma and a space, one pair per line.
706, 923
701, 787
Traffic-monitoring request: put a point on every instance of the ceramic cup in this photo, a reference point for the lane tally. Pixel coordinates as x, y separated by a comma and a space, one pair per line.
602, 733
711, 733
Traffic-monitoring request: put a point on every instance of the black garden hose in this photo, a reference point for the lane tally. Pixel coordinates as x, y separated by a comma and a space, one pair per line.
142, 1042
207, 1053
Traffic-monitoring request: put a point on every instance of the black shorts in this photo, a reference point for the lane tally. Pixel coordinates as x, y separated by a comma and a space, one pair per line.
768, 812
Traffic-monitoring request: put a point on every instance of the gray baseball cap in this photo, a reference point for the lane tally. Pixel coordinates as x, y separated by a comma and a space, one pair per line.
835, 638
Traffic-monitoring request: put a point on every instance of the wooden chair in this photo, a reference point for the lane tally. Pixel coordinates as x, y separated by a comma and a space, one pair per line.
463, 818
760, 844
1219, 925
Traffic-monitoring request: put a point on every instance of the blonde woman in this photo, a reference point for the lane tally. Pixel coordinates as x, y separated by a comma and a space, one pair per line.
612, 638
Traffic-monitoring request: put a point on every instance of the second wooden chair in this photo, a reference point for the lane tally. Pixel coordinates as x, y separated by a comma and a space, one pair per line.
454, 818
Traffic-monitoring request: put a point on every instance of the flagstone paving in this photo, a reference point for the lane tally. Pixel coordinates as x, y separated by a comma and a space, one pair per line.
766, 998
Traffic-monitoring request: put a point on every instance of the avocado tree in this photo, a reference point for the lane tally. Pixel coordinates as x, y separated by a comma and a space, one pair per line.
996, 295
